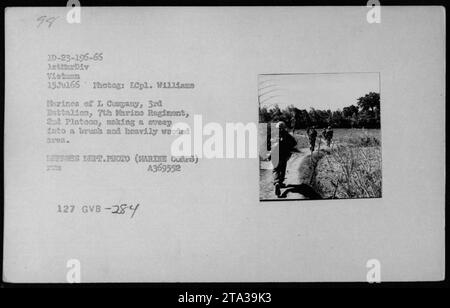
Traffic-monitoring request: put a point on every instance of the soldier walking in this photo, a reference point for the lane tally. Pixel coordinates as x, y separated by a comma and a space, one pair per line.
327, 134
312, 135
280, 153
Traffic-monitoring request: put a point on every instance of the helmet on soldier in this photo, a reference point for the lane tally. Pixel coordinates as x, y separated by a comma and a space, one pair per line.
280, 125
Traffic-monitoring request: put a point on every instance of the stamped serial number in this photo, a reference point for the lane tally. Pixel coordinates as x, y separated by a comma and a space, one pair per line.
127, 209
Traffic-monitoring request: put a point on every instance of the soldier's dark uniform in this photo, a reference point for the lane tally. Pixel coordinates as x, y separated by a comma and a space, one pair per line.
312, 135
279, 155
328, 135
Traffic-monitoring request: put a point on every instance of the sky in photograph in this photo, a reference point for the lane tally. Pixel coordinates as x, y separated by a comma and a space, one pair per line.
319, 91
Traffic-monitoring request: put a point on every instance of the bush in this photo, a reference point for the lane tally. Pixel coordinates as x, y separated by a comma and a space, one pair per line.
350, 171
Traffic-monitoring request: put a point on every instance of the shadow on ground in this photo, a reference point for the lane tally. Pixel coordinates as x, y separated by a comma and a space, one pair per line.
302, 189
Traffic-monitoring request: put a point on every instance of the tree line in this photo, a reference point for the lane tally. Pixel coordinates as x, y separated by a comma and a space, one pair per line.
365, 114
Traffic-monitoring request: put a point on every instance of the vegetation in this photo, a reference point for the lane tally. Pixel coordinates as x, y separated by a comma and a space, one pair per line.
365, 114
352, 169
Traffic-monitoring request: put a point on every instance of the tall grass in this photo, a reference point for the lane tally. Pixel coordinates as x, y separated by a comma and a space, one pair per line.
352, 169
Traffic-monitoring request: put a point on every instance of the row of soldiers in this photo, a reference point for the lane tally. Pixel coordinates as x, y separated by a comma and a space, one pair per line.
327, 134
285, 145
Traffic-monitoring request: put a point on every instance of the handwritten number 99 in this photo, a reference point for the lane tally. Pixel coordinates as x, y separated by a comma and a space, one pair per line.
48, 20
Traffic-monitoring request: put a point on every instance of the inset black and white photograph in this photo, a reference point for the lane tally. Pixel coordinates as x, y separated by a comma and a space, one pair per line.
319, 136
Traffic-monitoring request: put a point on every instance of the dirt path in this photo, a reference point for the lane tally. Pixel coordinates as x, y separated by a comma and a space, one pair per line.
293, 176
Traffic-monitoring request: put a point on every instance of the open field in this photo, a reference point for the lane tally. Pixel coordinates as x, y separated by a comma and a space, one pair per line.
341, 135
